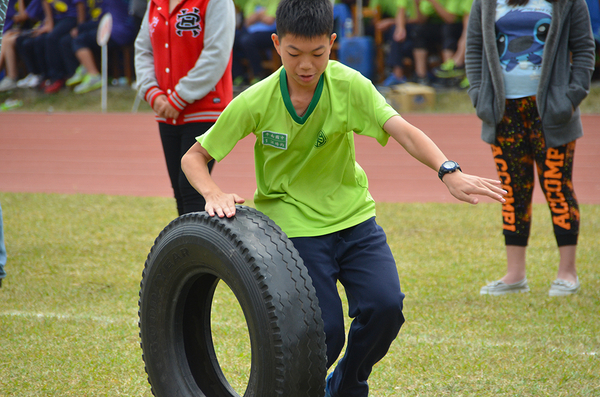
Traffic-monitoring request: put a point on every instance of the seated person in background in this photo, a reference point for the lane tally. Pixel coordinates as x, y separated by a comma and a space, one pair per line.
79, 49
66, 15
440, 27
31, 47
20, 18
253, 39
453, 70
401, 42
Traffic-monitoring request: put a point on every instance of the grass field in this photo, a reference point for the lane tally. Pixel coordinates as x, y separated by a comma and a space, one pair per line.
68, 308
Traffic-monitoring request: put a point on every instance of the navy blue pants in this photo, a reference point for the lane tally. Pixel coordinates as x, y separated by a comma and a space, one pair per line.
360, 258
54, 58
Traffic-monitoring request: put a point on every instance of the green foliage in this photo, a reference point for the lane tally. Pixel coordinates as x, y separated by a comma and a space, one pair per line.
68, 308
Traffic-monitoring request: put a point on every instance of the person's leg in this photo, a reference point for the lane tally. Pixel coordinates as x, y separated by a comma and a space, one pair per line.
69, 60
9, 41
170, 136
254, 44
369, 275
318, 256
25, 49
191, 199
54, 60
555, 172
238, 70
513, 156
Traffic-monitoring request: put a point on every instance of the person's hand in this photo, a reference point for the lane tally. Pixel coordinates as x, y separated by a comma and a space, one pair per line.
399, 34
74, 32
21, 16
163, 108
222, 204
465, 186
45, 28
385, 24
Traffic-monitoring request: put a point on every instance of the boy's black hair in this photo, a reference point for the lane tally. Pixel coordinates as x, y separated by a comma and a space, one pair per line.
304, 18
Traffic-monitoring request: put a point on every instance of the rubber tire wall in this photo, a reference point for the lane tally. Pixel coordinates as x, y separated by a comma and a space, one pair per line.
251, 254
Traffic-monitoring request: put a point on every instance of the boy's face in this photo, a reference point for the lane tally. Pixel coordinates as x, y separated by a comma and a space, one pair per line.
304, 59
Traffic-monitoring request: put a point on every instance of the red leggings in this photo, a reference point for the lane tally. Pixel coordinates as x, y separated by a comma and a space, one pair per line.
519, 142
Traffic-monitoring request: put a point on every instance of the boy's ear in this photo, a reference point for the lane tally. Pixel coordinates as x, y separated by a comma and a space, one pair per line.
276, 43
332, 39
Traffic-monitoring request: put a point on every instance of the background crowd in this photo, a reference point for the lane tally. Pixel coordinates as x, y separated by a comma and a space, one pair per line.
50, 44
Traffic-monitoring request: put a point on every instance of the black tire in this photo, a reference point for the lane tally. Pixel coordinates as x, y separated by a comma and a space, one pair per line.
251, 254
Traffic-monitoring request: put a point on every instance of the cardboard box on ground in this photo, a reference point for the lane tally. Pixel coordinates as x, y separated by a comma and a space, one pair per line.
409, 97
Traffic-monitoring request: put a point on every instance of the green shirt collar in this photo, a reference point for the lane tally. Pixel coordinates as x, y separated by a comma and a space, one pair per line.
285, 94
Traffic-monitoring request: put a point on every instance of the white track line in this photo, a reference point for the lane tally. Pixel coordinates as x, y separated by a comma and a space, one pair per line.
67, 317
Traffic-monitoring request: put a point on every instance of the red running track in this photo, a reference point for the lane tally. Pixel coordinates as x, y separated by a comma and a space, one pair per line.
120, 154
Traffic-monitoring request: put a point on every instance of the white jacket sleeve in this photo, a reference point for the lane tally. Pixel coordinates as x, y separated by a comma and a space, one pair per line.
144, 59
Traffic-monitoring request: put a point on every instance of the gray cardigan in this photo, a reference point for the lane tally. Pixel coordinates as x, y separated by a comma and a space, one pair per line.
564, 81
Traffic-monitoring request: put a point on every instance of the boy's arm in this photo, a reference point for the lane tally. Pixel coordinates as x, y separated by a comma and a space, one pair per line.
194, 165
420, 146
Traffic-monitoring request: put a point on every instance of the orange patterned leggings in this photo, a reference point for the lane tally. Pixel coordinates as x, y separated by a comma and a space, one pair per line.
519, 144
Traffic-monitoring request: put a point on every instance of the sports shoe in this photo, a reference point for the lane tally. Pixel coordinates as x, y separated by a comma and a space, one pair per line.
499, 287
449, 70
54, 86
239, 80
89, 83
7, 84
562, 287
77, 77
392, 79
30, 81
327, 392
11, 104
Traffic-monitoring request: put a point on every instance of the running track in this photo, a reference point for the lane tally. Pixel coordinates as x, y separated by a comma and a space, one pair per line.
120, 154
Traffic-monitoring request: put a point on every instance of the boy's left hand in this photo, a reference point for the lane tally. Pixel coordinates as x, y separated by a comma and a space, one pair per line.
464, 186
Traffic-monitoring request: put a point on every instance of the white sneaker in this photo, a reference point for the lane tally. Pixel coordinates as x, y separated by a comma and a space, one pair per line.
30, 81
7, 84
562, 287
499, 287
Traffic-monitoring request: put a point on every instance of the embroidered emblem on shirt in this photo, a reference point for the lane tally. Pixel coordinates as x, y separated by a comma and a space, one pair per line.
274, 139
321, 139
153, 25
188, 21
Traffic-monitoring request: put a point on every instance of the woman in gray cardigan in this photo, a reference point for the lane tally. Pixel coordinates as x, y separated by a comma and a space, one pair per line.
529, 63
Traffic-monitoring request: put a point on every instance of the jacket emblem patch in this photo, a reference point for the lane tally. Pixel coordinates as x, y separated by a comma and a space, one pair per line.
188, 21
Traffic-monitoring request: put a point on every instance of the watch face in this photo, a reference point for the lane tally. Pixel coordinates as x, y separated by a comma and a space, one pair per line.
449, 165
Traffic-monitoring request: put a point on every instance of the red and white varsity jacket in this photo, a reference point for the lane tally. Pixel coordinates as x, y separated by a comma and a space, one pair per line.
186, 55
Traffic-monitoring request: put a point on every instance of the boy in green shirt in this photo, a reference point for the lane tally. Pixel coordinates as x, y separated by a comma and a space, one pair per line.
304, 117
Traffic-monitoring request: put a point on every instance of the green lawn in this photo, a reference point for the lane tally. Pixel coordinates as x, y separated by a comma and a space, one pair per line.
68, 308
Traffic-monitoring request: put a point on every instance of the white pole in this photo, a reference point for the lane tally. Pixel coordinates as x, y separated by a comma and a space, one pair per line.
104, 76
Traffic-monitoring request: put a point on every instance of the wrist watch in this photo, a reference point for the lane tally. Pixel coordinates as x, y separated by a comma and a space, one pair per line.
448, 167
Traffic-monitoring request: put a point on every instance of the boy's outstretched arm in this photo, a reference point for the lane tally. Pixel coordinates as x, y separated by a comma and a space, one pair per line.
420, 146
194, 165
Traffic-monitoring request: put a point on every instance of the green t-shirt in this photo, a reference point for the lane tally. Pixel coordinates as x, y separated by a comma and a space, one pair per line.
388, 7
307, 178
453, 6
251, 6
410, 6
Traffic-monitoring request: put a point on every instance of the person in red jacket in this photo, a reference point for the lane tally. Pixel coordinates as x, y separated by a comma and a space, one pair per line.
183, 55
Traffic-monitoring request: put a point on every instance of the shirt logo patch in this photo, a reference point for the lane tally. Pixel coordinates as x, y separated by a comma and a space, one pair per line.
274, 139
188, 21
321, 139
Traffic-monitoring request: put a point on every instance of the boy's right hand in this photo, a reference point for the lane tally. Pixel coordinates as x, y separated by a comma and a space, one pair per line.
222, 204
